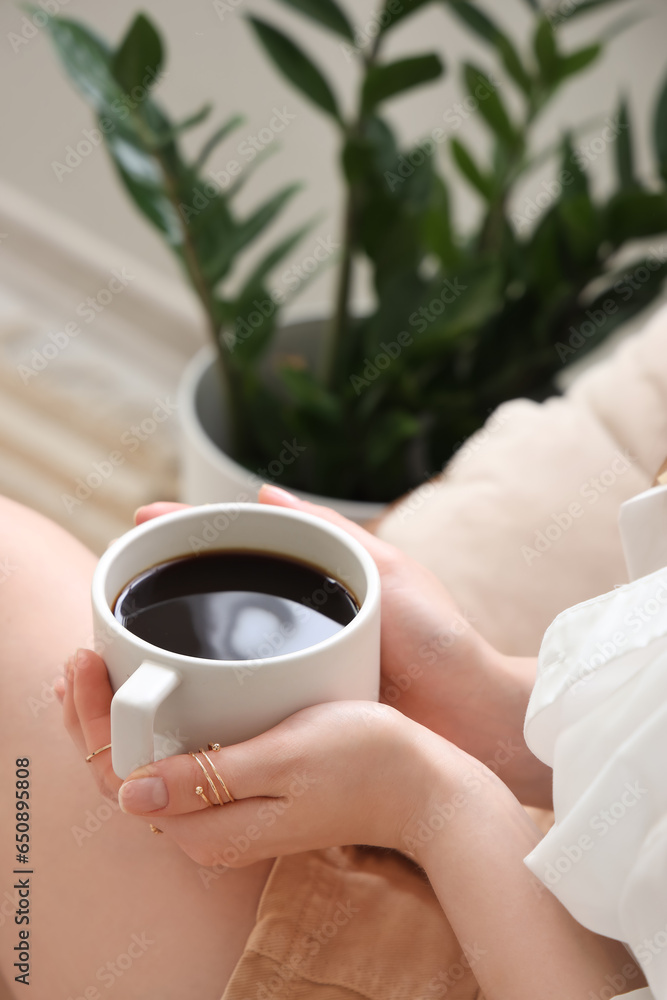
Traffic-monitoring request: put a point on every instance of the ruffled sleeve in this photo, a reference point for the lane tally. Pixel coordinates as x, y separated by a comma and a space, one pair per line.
598, 716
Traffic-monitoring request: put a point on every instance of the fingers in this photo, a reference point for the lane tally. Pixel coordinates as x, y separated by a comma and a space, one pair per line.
89, 714
70, 717
382, 552
168, 787
153, 510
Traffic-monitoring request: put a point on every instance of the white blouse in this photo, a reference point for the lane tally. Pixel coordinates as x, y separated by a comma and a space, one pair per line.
598, 716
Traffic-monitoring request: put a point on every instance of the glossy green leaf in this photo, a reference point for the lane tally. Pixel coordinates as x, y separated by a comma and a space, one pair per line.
388, 80
490, 105
623, 149
436, 227
273, 257
546, 53
578, 61
137, 61
144, 182
326, 13
471, 297
573, 171
226, 239
296, 66
660, 131
255, 317
482, 25
257, 222
630, 289
86, 60
472, 173
475, 19
169, 134
218, 136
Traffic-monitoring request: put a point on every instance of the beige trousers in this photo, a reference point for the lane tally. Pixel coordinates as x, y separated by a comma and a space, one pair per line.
352, 922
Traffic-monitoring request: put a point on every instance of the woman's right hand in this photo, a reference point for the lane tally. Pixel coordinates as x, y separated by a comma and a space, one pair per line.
436, 668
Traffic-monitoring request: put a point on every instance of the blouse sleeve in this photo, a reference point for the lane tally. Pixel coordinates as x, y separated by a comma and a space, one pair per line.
598, 716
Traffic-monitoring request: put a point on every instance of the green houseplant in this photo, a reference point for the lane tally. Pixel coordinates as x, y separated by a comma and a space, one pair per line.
462, 321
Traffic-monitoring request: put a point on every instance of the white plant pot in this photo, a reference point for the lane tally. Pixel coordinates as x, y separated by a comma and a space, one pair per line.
207, 473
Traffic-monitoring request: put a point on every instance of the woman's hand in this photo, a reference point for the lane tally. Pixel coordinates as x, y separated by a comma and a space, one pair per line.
436, 668
430, 650
341, 773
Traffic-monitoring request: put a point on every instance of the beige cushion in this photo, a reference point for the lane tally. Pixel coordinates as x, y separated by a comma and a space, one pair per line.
523, 522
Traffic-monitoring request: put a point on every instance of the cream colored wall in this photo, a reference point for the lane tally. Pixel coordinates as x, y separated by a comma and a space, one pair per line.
214, 56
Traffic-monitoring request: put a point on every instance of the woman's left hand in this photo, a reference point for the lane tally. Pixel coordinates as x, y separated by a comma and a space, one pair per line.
341, 773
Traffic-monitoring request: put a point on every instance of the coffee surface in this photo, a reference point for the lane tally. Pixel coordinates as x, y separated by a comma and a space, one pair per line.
234, 605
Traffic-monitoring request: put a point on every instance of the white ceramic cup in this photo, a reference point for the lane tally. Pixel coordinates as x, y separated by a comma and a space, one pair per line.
166, 703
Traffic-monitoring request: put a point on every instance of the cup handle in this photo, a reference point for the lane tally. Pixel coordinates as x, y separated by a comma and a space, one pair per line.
133, 710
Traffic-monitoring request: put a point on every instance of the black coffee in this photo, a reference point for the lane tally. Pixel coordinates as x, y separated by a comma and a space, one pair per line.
234, 605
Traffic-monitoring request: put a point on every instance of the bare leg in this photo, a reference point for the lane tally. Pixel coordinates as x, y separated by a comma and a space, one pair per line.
115, 912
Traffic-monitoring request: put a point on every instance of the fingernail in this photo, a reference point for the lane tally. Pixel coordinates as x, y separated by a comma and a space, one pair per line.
68, 666
143, 795
288, 499
136, 513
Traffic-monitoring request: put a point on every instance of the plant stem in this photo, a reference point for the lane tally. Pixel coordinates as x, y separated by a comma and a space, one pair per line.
341, 317
336, 358
205, 295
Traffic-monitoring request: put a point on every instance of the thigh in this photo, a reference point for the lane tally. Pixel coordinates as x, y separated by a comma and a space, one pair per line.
114, 911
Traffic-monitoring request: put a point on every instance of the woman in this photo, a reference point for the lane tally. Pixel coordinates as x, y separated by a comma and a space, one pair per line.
115, 911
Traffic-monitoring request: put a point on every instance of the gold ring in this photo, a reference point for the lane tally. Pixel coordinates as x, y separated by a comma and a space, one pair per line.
156, 829
208, 778
227, 792
202, 794
95, 752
